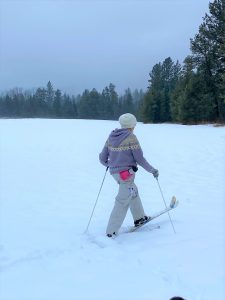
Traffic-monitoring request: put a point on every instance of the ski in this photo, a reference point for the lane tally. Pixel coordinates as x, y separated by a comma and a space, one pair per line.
173, 204
129, 229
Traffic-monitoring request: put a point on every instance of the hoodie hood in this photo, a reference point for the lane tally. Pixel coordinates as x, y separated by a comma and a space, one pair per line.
118, 135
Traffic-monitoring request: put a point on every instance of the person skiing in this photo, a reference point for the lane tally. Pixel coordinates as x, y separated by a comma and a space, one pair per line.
121, 154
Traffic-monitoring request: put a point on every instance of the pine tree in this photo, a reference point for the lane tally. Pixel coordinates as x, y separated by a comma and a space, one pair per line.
88, 106
37, 105
105, 109
191, 102
208, 52
128, 103
163, 79
138, 99
57, 106
109, 103
69, 108
50, 94
113, 96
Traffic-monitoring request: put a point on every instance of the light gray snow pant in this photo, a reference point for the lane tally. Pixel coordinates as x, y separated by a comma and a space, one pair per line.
127, 197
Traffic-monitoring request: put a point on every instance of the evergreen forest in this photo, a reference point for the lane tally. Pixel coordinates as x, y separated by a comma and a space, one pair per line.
190, 92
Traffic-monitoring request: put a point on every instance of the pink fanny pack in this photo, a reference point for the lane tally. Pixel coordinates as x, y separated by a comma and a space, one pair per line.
124, 175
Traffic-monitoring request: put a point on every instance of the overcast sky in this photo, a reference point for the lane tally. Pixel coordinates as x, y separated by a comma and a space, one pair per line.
88, 44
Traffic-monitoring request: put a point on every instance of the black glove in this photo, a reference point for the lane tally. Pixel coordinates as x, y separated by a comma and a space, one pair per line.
134, 168
155, 173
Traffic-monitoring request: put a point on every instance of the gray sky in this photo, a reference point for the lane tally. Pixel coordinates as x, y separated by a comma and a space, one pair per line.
88, 44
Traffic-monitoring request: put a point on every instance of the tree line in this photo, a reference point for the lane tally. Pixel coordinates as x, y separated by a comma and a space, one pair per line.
188, 93
50, 103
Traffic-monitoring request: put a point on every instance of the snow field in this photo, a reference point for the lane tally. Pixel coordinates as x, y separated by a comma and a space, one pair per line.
50, 177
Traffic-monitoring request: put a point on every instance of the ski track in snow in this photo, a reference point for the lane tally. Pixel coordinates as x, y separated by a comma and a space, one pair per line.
50, 176
86, 239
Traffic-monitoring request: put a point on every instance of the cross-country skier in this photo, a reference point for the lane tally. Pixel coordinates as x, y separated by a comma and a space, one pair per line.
122, 153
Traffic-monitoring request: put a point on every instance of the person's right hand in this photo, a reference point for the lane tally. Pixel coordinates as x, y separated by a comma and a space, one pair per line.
155, 173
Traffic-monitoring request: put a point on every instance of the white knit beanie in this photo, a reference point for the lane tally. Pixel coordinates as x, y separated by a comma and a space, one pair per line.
127, 121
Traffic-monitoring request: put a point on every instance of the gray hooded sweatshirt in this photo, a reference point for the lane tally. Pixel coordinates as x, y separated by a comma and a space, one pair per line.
122, 151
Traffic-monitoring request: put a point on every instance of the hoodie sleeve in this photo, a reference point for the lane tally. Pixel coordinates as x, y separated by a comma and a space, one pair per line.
104, 155
138, 155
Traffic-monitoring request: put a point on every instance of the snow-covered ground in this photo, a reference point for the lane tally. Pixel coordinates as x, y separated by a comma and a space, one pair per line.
49, 180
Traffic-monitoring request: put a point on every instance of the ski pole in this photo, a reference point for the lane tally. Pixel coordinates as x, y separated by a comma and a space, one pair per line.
165, 204
96, 200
